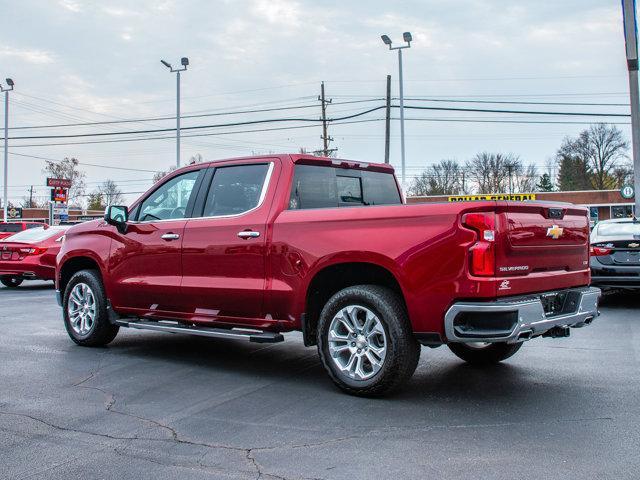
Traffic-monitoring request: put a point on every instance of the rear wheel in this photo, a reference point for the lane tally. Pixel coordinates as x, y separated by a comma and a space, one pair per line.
85, 310
11, 282
483, 353
365, 341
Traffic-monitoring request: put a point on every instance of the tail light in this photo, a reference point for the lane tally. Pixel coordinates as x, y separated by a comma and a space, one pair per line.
32, 251
483, 252
599, 251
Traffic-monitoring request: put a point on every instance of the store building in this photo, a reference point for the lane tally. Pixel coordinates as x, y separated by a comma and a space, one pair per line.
603, 204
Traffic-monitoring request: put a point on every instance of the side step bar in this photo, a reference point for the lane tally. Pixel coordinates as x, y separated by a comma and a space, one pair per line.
175, 327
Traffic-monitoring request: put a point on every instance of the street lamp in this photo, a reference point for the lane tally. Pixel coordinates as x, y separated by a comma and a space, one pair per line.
6, 146
631, 44
406, 36
184, 61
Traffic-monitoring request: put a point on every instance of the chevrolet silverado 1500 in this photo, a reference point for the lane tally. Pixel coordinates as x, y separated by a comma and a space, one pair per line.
254, 247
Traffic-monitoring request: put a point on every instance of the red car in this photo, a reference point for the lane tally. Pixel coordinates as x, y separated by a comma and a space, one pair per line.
30, 255
252, 247
9, 228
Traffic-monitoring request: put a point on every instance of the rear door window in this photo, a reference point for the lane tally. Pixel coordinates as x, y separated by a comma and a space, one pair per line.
235, 189
317, 186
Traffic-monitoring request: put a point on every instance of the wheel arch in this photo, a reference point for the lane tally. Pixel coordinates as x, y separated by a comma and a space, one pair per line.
73, 265
336, 276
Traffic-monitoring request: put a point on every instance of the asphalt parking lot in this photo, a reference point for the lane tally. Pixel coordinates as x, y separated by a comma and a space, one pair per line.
155, 405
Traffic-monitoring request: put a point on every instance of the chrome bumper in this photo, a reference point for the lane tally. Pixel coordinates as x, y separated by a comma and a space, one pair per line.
531, 318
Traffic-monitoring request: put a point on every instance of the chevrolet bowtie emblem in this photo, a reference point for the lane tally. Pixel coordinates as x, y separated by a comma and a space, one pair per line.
634, 245
555, 232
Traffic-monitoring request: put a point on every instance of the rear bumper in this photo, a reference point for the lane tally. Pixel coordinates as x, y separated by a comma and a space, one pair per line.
27, 270
614, 276
521, 318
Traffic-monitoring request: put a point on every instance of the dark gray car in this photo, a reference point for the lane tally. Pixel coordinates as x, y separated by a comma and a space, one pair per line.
615, 254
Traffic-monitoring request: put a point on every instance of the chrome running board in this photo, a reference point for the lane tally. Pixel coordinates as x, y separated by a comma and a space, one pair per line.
256, 336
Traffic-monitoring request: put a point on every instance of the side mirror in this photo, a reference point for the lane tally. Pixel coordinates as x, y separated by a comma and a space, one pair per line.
117, 215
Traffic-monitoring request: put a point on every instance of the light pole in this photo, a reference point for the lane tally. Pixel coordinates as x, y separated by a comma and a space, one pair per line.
5, 202
406, 36
631, 43
184, 61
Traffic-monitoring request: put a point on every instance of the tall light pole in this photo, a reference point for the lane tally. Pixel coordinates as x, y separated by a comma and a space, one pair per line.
406, 36
184, 61
631, 42
5, 202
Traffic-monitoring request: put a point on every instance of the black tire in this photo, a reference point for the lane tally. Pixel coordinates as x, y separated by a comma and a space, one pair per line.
402, 349
102, 331
11, 282
491, 354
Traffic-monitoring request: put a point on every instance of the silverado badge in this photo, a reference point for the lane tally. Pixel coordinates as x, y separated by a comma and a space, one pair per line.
555, 232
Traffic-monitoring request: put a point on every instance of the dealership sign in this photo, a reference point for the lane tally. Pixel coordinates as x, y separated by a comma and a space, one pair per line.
14, 213
517, 197
627, 191
58, 182
59, 195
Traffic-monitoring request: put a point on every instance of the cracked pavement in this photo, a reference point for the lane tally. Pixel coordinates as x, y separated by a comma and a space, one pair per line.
155, 405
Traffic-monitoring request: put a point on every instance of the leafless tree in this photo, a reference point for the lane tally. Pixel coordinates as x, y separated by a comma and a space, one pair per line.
68, 169
111, 194
443, 178
602, 148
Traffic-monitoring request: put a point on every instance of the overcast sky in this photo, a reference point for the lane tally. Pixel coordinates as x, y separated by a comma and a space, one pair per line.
77, 61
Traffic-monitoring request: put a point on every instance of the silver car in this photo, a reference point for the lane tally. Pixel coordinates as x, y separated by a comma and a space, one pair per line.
615, 254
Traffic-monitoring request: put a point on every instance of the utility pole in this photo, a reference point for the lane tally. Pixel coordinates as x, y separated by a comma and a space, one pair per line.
510, 170
631, 44
387, 124
184, 61
325, 137
31, 197
6, 147
406, 36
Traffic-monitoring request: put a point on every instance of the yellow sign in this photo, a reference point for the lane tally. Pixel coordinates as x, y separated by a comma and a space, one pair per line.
517, 197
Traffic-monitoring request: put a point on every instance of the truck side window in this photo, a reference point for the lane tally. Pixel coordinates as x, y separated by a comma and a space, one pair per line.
235, 189
169, 201
317, 186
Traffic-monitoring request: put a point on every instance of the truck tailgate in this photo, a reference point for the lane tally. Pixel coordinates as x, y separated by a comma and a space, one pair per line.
541, 247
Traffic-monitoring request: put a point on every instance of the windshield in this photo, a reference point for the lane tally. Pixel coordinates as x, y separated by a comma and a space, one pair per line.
10, 227
619, 229
34, 235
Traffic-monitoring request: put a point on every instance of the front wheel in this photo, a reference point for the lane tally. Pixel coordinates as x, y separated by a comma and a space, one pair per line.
481, 353
85, 310
365, 341
11, 282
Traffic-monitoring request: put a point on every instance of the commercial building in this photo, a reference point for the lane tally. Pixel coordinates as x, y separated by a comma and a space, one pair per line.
603, 204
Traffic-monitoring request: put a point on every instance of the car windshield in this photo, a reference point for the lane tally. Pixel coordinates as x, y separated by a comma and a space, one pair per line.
10, 227
34, 235
622, 229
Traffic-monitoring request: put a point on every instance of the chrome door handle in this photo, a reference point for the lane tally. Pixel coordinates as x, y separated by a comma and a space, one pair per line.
248, 234
170, 236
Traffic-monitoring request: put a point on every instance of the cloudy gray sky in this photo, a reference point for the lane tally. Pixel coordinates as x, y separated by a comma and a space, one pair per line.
78, 61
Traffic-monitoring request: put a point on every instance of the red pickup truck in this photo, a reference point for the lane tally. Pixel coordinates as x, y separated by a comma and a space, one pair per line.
253, 247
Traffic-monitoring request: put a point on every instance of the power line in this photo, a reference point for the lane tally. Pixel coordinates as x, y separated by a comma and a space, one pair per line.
315, 120
85, 163
153, 119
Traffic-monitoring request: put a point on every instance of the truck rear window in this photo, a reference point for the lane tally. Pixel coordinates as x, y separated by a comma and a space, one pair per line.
327, 187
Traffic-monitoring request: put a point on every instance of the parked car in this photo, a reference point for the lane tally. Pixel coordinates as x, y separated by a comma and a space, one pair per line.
615, 254
253, 247
9, 228
30, 255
